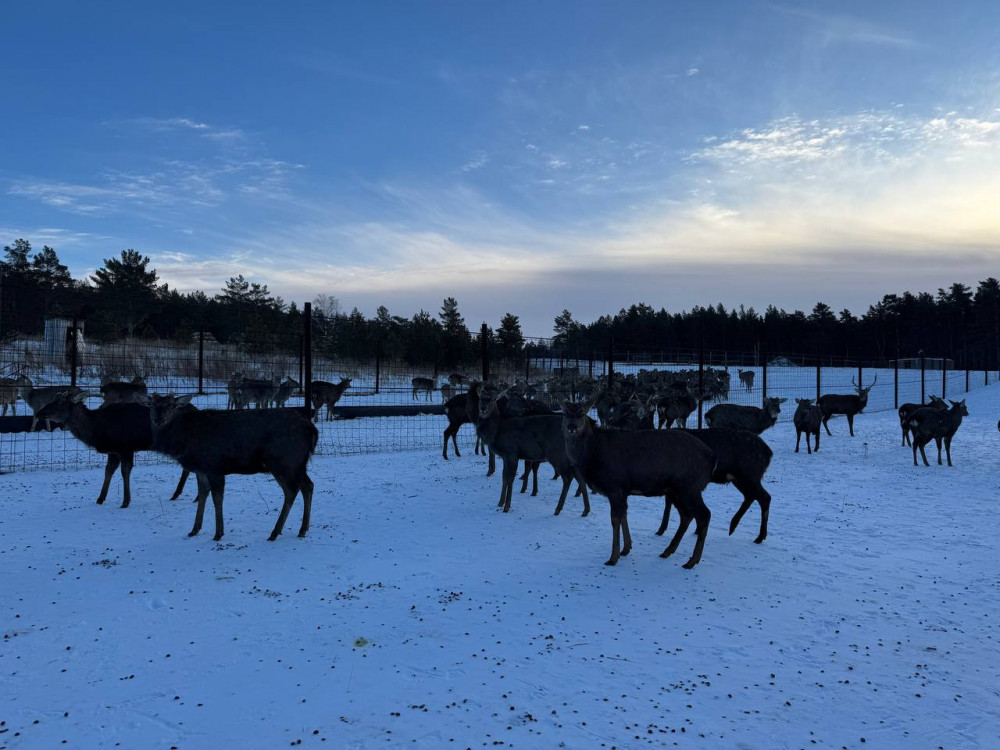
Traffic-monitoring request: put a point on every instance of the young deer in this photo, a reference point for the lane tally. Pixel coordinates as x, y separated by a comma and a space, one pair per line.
214, 444
329, 394
807, 419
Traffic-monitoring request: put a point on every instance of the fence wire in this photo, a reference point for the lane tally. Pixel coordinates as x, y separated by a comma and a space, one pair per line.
376, 413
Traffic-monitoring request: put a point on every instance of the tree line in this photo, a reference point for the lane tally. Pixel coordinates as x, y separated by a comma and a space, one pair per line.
125, 298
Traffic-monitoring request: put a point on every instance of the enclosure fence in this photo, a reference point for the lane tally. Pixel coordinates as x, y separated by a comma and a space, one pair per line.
395, 403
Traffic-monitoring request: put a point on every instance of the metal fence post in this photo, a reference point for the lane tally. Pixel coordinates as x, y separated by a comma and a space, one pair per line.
378, 365
611, 360
701, 383
923, 374
895, 383
300, 360
201, 363
307, 314
861, 379
484, 343
819, 377
763, 376
73, 352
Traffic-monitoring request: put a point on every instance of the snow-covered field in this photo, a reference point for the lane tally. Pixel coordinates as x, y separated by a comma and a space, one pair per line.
415, 614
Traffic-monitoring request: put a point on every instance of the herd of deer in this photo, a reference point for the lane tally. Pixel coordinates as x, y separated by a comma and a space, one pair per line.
622, 456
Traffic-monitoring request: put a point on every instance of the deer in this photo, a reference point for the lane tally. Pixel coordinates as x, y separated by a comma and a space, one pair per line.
807, 419
216, 443
675, 407
286, 388
847, 404
650, 463
236, 400
9, 394
422, 385
746, 378
906, 411
259, 392
118, 430
37, 398
458, 381
117, 392
939, 425
751, 418
328, 394
532, 439
741, 458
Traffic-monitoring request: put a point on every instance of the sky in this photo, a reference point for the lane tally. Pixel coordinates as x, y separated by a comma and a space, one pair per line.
522, 157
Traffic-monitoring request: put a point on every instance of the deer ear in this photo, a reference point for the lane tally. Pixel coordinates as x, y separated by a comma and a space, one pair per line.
184, 400
782, 400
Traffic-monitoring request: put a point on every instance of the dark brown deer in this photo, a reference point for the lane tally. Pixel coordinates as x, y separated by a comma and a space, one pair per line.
675, 407
117, 392
214, 444
751, 418
327, 394
906, 412
807, 419
118, 430
746, 378
939, 425
532, 439
422, 385
847, 404
741, 458
650, 463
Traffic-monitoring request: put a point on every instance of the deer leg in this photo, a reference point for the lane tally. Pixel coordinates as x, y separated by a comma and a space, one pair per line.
493, 462
290, 492
679, 534
817, 440
627, 537
562, 495
752, 491
128, 459
617, 512
666, 516
922, 453
702, 517
947, 447
203, 489
825, 420
454, 440
180, 484
524, 476
798, 436
937, 442
307, 501
534, 479
109, 471
218, 488
850, 423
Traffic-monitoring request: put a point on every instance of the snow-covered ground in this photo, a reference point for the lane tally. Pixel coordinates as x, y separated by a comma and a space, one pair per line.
415, 614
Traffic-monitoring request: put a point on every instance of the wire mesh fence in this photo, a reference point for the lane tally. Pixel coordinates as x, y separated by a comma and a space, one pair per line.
398, 402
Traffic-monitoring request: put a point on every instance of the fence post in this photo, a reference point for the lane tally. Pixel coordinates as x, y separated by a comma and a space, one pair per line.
307, 314
611, 360
923, 373
72, 352
300, 360
895, 383
701, 383
819, 378
861, 379
201, 363
944, 377
763, 376
378, 365
590, 371
484, 343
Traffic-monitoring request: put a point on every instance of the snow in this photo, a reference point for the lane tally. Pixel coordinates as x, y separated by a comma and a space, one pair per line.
414, 613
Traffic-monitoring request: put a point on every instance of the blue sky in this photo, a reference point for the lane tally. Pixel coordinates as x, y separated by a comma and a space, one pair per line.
522, 157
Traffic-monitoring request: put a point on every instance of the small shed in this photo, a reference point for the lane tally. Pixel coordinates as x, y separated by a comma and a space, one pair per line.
58, 337
930, 363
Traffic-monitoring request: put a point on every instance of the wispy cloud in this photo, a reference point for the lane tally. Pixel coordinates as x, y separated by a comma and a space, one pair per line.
164, 124
478, 160
842, 28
